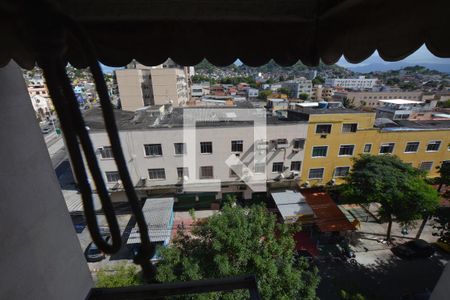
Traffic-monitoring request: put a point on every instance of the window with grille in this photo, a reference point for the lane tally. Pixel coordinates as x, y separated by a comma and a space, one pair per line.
433, 146
156, 174
346, 150
112, 176
180, 148
351, 127
323, 128
277, 167
295, 165
206, 147
206, 172
316, 173
426, 166
181, 172
341, 171
106, 152
153, 150
387, 148
412, 147
299, 143
260, 168
319, 151
237, 146
367, 148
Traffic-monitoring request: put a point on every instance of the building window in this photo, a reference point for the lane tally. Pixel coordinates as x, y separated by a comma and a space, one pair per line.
433, 146
346, 150
387, 148
182, 172
260, 168
341, 171
367, 148
412, 147
316, 173
277, 167
295, 165
349, 127
299, 143
153, 150
426, 166
237, 146
106, 152
180, 148
323, 128
319, 151
206, 147
112, 176
206, 172
156, 174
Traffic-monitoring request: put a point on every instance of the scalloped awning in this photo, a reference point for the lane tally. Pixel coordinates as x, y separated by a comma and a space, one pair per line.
253, 31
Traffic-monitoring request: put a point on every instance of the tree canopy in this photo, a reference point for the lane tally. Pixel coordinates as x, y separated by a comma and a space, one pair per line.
119, 276
399, 188
264, 94
240, 241
303, 96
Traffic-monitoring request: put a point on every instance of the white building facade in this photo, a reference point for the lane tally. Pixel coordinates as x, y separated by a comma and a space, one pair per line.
359, 83
206, 158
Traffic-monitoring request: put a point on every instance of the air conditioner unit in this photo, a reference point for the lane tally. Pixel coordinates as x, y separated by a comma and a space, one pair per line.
262, 145
281, 143
323, 136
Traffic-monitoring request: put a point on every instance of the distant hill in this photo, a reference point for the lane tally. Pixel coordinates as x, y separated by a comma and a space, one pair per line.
387, 66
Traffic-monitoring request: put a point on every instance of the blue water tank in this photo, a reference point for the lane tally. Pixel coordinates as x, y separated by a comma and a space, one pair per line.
323, 104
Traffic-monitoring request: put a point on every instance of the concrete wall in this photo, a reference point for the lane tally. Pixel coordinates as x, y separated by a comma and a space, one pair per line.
169, 85
134, 88
40, 256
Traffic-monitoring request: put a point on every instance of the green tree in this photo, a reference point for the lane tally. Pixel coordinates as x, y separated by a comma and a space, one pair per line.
399, 188
444, 104
348, 103
285, 91
303, 96
318, 80
444, 175
442, 221
240, 241
263, 95
119, 276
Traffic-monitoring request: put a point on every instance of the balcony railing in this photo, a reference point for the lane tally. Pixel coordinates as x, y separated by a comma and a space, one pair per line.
163, 290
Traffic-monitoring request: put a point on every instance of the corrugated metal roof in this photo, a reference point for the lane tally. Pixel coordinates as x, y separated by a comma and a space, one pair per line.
75, 204
329, 216
158, 213
291, 205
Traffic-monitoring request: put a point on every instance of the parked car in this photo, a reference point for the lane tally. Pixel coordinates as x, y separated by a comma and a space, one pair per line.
45, 130
414, 249
93, 254
444, 243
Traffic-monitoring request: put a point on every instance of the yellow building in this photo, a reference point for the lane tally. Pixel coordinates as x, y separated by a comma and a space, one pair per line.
335, 136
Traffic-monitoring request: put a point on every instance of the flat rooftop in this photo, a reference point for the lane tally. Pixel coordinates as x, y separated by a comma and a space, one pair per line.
200, 116
400, 101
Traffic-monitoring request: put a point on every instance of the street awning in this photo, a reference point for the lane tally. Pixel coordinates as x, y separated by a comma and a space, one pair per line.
291, 205
158, 213
329, 217
75, 204
191, 30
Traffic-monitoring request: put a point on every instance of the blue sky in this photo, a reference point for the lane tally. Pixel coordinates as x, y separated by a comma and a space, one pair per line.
421, 57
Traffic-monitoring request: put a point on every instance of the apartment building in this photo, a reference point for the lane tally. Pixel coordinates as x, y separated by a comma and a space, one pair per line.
359, 83
140, 86
37, 87
336, 136
207, 151
371, 99
135, 88
298, 86
402, 109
